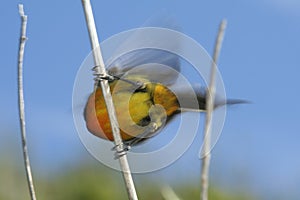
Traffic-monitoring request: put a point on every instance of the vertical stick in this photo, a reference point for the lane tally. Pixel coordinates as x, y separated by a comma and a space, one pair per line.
23, 39
100, 71
209, 111
168, 193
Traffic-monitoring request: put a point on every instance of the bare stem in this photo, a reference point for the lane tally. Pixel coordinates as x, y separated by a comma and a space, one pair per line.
168, 193
100, 70
209, 111
23, 39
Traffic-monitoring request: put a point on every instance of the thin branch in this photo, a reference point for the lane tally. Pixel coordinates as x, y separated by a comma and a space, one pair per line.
100, 71
168, 193
209, 111
23, 39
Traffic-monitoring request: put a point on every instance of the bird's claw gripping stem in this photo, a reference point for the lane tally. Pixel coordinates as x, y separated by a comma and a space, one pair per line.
121, 150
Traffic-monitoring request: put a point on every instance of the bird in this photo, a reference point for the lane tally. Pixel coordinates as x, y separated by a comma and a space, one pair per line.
141, 84
144, 85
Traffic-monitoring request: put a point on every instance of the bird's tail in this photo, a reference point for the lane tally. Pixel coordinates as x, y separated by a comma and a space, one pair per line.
196, 100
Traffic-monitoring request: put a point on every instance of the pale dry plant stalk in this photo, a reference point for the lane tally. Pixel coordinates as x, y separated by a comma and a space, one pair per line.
23, 39
101, 72
209, 112
168, 193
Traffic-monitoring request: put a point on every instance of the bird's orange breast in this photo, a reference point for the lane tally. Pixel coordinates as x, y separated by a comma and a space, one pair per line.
132, 108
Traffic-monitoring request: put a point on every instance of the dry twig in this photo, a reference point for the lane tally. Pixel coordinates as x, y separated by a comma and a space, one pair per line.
209, 111
100, 71
23, 39
168, 193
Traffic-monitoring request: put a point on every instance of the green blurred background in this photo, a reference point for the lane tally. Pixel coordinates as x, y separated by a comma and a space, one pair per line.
91, 181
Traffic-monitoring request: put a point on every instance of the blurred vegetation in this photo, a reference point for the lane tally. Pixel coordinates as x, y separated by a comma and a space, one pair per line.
93, 182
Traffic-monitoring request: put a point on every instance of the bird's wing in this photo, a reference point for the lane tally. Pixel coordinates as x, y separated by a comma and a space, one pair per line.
138, 55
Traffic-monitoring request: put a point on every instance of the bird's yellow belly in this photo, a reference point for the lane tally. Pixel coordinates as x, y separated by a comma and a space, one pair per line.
132, 109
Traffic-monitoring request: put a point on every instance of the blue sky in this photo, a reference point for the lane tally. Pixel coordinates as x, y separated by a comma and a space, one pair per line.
259, 146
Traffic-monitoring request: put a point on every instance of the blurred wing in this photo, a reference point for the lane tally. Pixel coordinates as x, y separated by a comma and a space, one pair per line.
152, 64
137, 55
